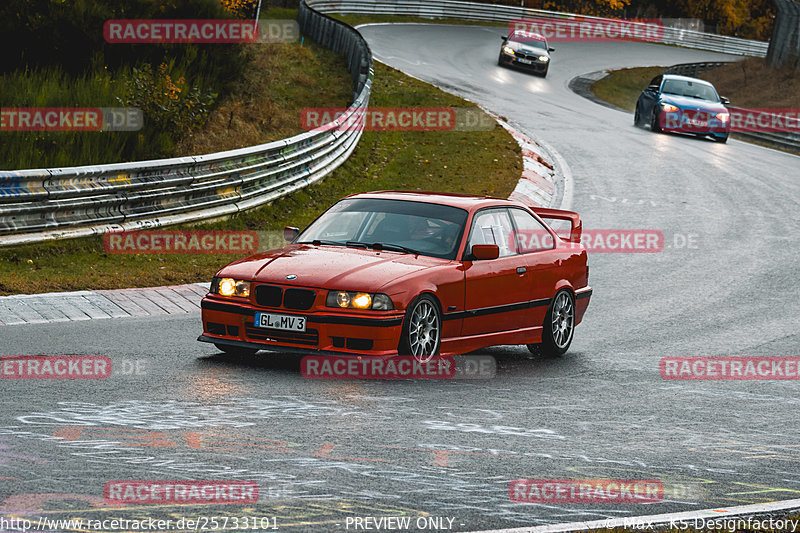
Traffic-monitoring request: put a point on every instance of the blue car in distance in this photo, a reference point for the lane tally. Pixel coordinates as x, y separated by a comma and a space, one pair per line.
681, 104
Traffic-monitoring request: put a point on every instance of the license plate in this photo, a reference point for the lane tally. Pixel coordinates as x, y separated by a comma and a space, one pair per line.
698, 123
283, 322
525, 61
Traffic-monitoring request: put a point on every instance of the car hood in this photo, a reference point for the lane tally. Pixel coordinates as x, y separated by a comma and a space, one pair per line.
331, 267
684, 102
531, 50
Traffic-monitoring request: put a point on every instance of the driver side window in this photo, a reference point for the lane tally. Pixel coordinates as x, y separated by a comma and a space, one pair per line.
493, 226
655, 83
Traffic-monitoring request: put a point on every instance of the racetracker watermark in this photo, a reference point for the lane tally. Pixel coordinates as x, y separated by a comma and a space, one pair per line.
55, 367
181, 242
586, 491
642, 241
398, 367
138, 31
71, 119
188, 31
181, 492
730, 368
586, 30
396, 119
765, 120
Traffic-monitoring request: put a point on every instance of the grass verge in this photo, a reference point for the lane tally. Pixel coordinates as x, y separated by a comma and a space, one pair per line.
473, 162
622, 87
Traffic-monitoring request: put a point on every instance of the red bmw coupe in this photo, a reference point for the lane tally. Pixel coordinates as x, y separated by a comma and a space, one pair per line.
412, 273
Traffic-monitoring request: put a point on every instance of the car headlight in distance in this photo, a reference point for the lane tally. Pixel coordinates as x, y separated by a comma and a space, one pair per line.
669, 108
723, 117
508, 50
229, 287
544, 58
359, 300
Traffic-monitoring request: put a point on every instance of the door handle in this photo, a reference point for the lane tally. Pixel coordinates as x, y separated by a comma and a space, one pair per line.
521, 270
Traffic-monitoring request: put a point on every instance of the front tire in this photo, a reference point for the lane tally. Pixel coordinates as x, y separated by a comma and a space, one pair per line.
235, 350
421, 336
722, 140
654, 126
559, 326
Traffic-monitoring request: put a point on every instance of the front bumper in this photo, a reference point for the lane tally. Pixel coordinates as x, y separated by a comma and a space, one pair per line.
679, 122
535, 65
233, 324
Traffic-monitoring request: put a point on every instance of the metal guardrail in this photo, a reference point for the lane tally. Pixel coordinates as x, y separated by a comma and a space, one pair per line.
44, 204
501, 13
785, 140
693, 69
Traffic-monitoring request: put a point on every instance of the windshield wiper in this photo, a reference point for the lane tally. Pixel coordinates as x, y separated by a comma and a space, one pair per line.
318, 242
384, 246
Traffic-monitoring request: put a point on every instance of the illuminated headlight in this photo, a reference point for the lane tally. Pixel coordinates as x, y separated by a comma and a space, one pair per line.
669, 108
359, 300
230, 287
508, 50
544, 59
723, 117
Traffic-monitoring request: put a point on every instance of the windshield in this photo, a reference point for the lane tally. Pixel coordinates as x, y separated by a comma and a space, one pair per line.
528, 40
416, 227
692, 89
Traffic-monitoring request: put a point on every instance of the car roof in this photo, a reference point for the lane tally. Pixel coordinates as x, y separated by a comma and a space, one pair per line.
464, 201
685, 78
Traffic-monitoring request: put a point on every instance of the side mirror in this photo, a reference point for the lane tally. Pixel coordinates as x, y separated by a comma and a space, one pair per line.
290, 233
485, 252
504, 38
551, 49
652, 88
724, 100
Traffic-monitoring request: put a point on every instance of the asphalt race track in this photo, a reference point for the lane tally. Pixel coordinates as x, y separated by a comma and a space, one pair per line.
323, 451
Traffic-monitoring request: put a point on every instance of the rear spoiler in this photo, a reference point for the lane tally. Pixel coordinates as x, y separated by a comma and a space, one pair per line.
560, 214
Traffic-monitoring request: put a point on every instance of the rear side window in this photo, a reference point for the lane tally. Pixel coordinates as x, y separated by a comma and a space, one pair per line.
530, 235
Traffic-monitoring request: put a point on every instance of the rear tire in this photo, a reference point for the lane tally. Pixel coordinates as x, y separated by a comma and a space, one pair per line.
559, 326
637, 118
235, 350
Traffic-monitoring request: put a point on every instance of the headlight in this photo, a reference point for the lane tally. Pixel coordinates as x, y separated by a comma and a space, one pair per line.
723, 117
359, 300
508, 50
544, 58
230, 287
669, 108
